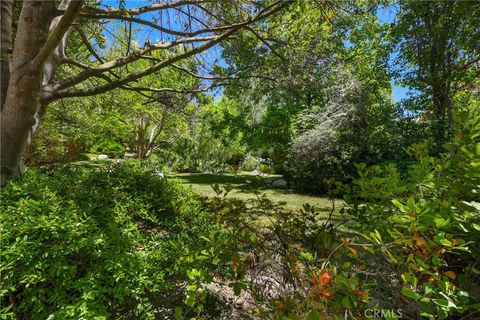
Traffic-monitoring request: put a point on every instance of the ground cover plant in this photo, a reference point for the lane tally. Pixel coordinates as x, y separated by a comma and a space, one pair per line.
84, 243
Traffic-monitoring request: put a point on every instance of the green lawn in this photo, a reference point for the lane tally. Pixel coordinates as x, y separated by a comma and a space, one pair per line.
202, 184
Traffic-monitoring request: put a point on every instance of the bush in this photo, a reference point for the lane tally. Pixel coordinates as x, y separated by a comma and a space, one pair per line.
289, 265
94, 243
111, 148
352, 126
427, 224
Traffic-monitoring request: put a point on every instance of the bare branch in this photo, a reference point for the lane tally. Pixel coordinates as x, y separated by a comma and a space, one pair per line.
125, 60
230, 77
75, 63
153, 7
57, 94
174, 90
192, 17
88, 45
156, 26
266, 43
62, 90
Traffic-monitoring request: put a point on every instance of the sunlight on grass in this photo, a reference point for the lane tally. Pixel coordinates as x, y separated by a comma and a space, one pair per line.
202, 184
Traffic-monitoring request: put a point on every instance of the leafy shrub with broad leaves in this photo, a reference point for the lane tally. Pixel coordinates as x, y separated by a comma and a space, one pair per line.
427, 224
106, 242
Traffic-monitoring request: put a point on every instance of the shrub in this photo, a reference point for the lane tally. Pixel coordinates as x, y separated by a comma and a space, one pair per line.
420, 228
251, 162
94, 243
111, 148
352, 125
427, 223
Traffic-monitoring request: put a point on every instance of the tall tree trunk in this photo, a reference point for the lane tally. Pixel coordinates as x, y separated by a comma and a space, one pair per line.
23, 94
443, 114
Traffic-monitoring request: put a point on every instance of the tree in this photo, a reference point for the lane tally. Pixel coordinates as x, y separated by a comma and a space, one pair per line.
439, 55
301, 51
38, 52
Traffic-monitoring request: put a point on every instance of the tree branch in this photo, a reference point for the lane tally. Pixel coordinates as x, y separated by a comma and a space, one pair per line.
64, 93
173, 90
231, 77
153, 7
62, 89
87, 44
57, 34
156, 26
266, 43
124, 60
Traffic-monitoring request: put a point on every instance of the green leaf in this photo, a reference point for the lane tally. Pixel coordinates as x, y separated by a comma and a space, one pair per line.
440, 222
409, 293
178, 312
436, 260
445, 242
313, 315
346, 302
399, 205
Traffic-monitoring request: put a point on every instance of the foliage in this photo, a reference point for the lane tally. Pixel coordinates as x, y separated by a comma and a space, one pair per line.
309, 96
109, 147
351, 127
106, 246
296, 265
427, 223
434, 42
290, 265
211, 144
64, 137
251, 162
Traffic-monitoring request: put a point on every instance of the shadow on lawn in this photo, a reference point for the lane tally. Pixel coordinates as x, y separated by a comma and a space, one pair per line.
239, 181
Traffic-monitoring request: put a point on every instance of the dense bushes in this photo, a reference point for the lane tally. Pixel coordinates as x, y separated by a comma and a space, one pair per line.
56, 142
95, 243
353, 125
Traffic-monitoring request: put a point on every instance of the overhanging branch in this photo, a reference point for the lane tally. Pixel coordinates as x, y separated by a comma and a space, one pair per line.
144, 9
66, 88
57, 34
64, 93
113, 64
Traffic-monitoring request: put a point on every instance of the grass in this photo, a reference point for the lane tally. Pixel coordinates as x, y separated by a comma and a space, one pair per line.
202, 184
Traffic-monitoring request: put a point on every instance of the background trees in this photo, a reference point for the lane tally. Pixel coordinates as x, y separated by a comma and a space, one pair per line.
40, 47
280, 76
438, 58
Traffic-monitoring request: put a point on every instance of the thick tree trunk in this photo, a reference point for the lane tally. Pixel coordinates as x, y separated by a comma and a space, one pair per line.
23, 94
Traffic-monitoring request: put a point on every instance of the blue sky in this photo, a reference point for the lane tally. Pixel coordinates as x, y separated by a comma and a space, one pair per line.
387, 14
384, 14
